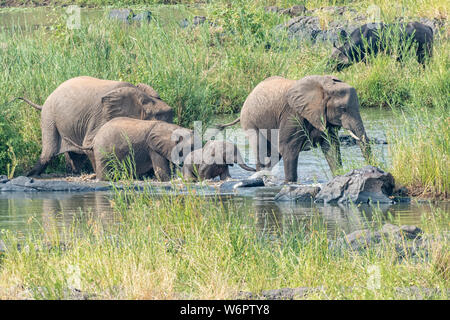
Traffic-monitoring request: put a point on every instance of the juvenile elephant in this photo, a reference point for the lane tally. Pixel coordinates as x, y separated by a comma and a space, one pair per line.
373, 38
80, 106
213, 160
154, 145
307, 112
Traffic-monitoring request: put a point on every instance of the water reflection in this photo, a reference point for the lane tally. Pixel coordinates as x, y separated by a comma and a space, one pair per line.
23, 212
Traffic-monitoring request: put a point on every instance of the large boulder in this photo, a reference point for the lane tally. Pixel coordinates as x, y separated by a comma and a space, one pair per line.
359, 186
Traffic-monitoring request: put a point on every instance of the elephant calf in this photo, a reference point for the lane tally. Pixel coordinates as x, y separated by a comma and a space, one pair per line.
213, 160
154, 144
371, 40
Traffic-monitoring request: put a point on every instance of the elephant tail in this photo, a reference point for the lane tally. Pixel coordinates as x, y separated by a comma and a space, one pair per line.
78, 146
34, 105
223, 126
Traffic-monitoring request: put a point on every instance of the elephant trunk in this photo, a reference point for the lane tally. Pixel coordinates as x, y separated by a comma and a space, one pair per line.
356, 128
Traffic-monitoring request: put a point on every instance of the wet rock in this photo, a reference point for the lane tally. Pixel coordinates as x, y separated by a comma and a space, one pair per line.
359, 186
3, 179
270, 180
26, 184
297, 193
229, 186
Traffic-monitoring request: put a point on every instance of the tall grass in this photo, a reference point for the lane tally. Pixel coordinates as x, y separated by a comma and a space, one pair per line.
173, 247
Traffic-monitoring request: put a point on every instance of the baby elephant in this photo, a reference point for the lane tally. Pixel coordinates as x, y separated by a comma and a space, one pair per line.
213, 160
155, 144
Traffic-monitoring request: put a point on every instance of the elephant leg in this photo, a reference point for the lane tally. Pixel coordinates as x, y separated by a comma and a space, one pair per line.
331, 149
161, 166
290, 155
50, 147
225, 174
76, 162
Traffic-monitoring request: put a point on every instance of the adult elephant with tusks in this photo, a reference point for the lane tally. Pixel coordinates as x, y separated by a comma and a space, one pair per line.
82, 105
308, 112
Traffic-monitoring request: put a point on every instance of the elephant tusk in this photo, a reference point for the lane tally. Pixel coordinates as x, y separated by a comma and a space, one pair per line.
353, 135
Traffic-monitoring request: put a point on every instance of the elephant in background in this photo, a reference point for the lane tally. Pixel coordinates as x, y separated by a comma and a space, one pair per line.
213, 160
369, 39
80, 106
308, 112
154, 145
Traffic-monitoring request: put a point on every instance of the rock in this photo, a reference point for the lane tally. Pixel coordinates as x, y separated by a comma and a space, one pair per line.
184, 23
297, 193
26, 184
127, 15
407, 240
123, 15
145, 16
294, 11
280, 294
3, 179
198, 20
358, 186
229, 186
248, 183
272, 9
270, 180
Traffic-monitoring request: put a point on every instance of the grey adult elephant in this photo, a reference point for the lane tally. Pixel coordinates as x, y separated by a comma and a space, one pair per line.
80, 106
154, 145
213, 160
307, 112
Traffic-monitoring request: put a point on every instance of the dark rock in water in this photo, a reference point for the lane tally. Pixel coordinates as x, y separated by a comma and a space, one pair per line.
297, 193
359, 186
228, 186
121, 14
26, 184
3, 179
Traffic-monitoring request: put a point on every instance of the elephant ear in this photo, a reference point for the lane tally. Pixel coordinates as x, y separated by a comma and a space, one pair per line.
148, 90
308, 98
123, 102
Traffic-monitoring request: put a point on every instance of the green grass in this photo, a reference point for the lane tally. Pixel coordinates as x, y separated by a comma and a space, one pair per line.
173, 247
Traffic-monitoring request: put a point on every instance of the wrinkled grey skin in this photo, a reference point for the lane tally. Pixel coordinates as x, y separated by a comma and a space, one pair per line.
213, 160
80, 106
308, 112
152, 142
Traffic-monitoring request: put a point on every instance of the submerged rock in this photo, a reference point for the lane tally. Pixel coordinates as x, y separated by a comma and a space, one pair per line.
297, 193
27, 184
359, 186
